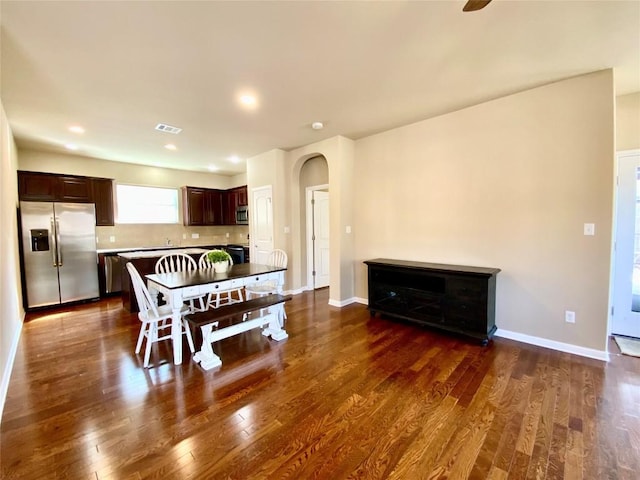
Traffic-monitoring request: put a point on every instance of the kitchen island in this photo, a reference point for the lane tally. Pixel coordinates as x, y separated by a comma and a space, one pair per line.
145, 263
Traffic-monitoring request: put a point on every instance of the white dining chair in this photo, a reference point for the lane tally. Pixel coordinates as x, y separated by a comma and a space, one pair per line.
277, 258
224, 297
181, 262
156, 321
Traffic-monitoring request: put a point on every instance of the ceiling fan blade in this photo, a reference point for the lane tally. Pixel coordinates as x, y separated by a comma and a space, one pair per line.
473, 5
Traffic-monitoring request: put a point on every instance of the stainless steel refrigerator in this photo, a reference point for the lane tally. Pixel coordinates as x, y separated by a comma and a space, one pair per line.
59, 252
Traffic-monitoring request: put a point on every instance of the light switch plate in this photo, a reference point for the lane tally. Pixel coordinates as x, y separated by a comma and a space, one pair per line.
589, 228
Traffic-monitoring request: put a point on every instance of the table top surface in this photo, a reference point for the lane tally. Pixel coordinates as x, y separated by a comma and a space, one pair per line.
200, 277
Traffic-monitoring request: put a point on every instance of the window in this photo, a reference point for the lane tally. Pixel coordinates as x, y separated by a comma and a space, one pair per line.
136, 204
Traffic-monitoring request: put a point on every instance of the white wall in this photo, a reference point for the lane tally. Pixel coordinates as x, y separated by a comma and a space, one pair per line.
339, 154
507, 184
11, 310
628, 122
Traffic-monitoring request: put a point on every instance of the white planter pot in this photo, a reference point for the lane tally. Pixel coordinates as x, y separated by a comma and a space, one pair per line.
221, 267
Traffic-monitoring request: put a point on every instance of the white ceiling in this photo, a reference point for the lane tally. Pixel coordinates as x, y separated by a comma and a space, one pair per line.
119, 68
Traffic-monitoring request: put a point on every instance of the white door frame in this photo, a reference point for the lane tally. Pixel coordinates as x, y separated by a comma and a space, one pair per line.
622, 319
309, 214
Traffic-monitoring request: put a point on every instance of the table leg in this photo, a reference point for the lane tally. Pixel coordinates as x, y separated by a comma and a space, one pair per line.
176, 334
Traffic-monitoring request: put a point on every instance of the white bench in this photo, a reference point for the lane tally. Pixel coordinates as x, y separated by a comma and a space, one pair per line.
271, 313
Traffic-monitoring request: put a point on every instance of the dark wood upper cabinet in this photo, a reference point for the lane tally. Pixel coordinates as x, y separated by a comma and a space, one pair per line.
52, 187
233, 199
74, 189
230, 203
213, 213
243, 195
209, 206
37, 187
193, 205
102, 195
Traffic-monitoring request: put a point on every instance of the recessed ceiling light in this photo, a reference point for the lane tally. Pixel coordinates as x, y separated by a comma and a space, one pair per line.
248, 100
212, 168
71, 146
317, 125
170, 146
234, 159
76, 129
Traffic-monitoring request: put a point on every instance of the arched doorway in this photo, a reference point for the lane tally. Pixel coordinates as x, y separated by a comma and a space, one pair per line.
314, 189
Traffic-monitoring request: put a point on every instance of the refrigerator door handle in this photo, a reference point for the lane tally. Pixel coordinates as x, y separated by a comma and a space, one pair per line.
54, 243
58, 243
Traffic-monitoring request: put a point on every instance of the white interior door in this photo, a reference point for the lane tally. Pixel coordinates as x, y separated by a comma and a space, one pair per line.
625, 319
317, 213
321, 238
262, 224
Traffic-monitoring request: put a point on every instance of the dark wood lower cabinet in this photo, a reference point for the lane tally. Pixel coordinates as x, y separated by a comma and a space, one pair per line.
455, 298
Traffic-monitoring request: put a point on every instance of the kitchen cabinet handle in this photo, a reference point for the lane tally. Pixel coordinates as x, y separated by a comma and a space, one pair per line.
59, 252
54, 243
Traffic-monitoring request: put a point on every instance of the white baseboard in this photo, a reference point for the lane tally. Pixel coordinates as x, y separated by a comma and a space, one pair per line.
553, 345
295, 291
348, 301
6, 375
338, 303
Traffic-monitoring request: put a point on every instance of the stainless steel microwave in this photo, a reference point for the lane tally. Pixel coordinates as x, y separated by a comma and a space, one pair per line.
242, 215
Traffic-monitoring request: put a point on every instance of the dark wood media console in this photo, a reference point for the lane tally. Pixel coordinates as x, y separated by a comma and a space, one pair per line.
455, 298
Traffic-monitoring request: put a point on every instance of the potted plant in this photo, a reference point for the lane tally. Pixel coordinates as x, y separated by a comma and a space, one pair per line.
220, 260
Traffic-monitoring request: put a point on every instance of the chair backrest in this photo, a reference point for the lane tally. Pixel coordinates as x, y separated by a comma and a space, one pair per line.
176, 262
145, 303
204, 262
278, 258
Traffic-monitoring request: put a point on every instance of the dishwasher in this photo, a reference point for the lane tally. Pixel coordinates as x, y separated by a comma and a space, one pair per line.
112, 274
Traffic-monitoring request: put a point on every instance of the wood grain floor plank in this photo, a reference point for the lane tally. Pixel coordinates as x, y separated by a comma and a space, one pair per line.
346, 396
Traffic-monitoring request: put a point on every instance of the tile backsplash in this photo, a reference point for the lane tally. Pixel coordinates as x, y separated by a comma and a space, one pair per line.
154, 235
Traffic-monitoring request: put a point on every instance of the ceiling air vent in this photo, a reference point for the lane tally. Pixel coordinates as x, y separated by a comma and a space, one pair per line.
163, 127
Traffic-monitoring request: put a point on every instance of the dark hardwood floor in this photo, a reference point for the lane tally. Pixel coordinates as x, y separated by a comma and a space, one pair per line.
346, 396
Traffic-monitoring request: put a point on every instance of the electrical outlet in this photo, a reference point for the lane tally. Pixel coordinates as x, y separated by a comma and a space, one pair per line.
112, 238
184, 236
227, 234
195, 235
569, 316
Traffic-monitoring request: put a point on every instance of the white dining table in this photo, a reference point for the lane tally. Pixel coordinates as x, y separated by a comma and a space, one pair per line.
176, 286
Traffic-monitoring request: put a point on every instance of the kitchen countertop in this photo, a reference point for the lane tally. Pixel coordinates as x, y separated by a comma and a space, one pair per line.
164, 247
160, 253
